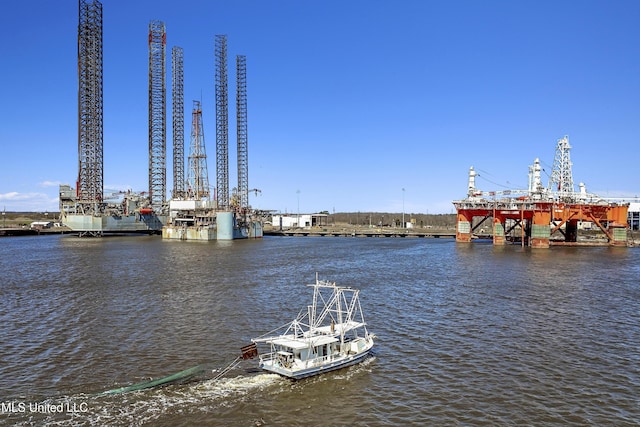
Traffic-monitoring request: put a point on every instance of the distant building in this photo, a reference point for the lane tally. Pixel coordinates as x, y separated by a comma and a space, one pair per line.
633, 216
299, 221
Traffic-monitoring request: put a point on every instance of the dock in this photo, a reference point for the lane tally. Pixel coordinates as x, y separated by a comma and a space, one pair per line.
356, 231
22, 231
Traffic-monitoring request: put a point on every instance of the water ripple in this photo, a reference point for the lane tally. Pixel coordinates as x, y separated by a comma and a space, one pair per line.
468, 334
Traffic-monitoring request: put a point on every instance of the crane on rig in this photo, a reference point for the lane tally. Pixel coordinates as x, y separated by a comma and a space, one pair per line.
560, 186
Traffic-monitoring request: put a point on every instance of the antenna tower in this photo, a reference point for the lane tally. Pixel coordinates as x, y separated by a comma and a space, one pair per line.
561, 179
198, 180
242, 131
177, 98
157, 116
90, 114
222, 123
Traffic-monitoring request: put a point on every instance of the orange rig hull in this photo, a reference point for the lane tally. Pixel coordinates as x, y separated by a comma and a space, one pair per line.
535, 222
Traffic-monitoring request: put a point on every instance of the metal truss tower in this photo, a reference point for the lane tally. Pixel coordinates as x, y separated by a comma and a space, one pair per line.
198, 180
242, 131
157, 116
177, 98
222, 123
561, 179
90, 113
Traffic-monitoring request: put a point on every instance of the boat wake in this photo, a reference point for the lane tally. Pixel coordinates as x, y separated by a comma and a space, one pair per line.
139, 407
198, 400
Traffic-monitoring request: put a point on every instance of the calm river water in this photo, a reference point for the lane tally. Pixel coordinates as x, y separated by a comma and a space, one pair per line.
468, 334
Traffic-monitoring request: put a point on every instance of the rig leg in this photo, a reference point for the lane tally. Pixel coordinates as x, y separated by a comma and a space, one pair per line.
540, 231
463, 227
498, 231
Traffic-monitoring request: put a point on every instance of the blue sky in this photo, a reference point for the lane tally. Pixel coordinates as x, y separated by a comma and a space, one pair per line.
349, 102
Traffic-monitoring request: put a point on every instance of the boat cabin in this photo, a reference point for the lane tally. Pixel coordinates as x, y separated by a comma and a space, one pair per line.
316, 348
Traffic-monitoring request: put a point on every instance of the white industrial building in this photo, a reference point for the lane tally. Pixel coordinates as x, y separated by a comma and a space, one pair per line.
299, 220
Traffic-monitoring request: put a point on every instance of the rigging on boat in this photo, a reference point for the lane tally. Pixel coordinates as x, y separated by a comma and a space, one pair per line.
331, 334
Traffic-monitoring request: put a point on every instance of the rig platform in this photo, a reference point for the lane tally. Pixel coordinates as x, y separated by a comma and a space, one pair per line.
543, 216
541, 223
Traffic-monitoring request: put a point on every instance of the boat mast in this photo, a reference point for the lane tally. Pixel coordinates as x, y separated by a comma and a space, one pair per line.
313, 307
339, 297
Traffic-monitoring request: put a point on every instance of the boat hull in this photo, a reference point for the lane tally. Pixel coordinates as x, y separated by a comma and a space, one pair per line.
326, 366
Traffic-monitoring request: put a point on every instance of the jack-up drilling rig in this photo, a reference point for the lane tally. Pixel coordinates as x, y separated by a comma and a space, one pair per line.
193, 215
87, 210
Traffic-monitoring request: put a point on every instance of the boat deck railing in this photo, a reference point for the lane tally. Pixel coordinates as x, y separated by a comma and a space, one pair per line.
272, 358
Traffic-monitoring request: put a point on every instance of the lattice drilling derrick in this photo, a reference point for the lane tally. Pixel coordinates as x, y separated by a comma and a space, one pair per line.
198, 179
561, 180
157, 116
177, 97
222, 123
90, 113
242, 132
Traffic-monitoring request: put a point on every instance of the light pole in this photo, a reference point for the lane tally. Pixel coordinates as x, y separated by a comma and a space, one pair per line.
403, 208
298, 194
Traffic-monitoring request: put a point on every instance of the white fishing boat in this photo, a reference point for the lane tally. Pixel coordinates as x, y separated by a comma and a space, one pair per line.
330, 334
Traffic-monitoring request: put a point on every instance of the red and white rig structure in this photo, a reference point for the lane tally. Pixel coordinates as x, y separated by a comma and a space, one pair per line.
541, 216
